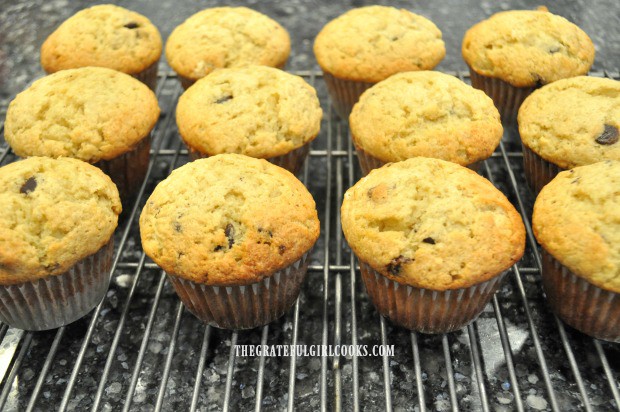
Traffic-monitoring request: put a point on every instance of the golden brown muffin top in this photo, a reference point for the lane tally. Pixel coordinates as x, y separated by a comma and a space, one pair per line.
577, 220
90, 113
257, 111
228, 220
432, 224
226, 37
55, 212
372, 43
105, 36
526, 48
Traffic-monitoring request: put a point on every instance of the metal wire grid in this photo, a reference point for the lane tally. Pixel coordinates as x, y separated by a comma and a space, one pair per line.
574, 368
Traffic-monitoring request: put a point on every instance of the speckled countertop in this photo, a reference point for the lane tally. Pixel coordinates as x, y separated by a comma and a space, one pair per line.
24, 26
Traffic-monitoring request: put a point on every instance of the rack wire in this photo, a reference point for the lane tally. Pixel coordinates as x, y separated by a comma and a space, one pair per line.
139, 349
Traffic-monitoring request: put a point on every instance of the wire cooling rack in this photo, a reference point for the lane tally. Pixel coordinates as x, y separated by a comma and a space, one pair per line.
141, 350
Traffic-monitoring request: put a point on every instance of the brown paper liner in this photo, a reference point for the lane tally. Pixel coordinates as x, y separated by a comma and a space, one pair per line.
148, 76
344, 93
538, 171
425, 310
582, 305
506, 97
56, 301
368, 162
292, 161
246, 306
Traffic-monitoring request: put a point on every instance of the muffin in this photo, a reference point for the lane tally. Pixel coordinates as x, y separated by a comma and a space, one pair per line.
569, 123
225, 37
56, 242
369, 44
233, 233
433, 239
577, 222
256, 111
514, 52
427, 114
94, 114
105, 36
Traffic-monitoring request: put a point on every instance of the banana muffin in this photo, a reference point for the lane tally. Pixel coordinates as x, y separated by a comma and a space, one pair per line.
56, 242
94, 114
514, 52
427, 114
225, 37
577, 222
233, 234
368, 44
568, 123
105, 36
434, 240
257, 111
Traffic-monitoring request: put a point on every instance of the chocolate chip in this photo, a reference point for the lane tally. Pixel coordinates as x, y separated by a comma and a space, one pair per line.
281, 249
218, 248
132, 25
177, 227
609, 135
230, 234
223, 99
394, 266
28, 186
429, 240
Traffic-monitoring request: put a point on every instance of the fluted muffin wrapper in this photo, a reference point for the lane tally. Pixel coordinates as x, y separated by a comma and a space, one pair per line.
580, 304
56, 301
243, 306
344, 93
148, 76
368, 162
506, 97
538, 171
292, 161
128, 170
426, 310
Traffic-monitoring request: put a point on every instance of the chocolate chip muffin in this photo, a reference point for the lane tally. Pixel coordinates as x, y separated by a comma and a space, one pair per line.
225, 37
368, 44
56, 242
257, 111
568, 123
514, 52
94, 114
433, 239
233, 234
577, 222
105, 36
424, 113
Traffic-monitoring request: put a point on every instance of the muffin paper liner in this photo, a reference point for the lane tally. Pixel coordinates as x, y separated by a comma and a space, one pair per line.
291, 161
582, 305
426, 310
56, 301
245, 306
148, 76
344, 93
368, 162
506, 97
128, 170
538, 171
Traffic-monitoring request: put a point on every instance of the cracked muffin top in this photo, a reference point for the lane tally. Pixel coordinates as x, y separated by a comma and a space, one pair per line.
257, 111
228, 220
432, 224
428, 114
527, 48
577, 220
56, 212
372, 43
105, 36
573, 122
226, 37
90, 113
